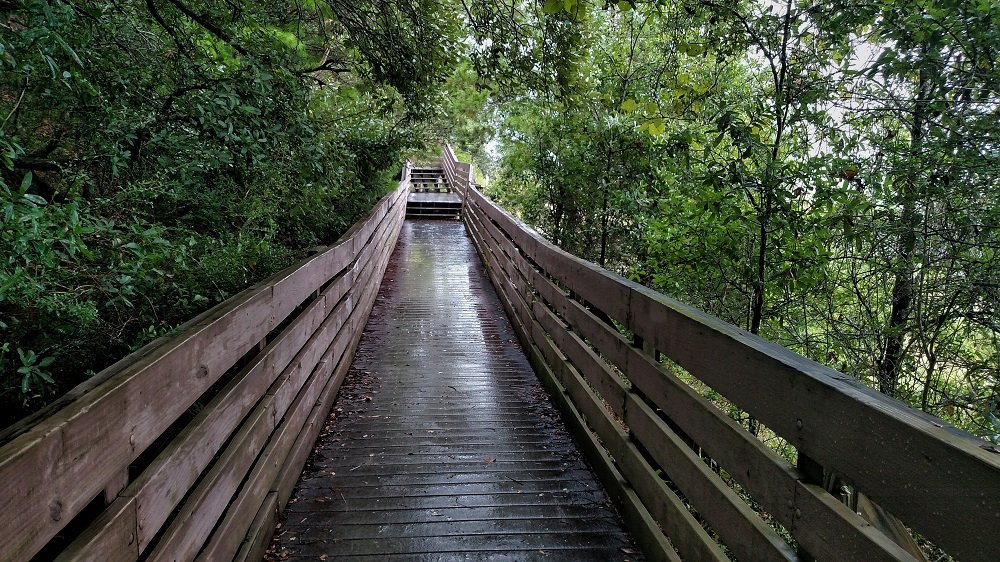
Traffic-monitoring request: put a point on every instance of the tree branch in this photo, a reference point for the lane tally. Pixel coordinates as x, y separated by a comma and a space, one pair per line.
208, 26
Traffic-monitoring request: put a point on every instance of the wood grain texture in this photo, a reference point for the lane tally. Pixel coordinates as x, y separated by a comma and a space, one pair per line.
263, 477
654, 544
442, 438
823, 413
772, 481
164, 483
741, 529
113, 536
255, 544
51, 469
347, 321
187, 533
668, 512
643, 526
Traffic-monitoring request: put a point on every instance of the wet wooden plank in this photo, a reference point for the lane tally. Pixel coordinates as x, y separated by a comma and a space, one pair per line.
741, 529
274, 462
162, 485
50, 473
655, 545
637, 517
259, 536
445, 198
199, 513
838, 422
437, 358
114, 536
288, 476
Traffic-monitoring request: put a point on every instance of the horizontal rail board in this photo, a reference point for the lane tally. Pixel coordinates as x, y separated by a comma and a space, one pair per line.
827, 416
55, 466
768, 477
655, 545
263, 478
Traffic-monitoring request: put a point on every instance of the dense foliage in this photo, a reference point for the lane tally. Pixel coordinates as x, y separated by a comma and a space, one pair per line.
823, 174
159, 156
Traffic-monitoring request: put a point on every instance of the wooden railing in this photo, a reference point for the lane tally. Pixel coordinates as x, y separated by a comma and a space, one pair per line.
689, 480
189, 447
458, 174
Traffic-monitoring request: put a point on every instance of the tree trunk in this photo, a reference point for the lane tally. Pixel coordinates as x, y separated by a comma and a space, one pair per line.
605, 181
757, 302
890, 363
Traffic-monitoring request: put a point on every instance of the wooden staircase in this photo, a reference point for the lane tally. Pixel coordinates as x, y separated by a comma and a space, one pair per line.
431, 195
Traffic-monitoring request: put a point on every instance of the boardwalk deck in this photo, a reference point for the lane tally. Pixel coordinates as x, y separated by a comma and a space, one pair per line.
434, 198
442, 445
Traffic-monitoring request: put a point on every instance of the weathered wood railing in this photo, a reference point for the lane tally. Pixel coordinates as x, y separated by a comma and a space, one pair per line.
638, 420
189, 447
458, 174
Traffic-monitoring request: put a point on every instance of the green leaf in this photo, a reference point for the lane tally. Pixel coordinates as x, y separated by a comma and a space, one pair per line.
657, 127
552, 6
624, 6
26, 182
69, 50
691, 49
629, 105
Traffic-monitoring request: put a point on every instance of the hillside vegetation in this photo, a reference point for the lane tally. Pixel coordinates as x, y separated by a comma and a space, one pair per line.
160, 156
824, 174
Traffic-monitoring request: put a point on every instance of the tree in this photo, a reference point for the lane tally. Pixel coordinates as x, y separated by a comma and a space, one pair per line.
159, 156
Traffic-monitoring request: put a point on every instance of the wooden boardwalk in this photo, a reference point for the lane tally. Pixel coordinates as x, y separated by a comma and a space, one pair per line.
442, 445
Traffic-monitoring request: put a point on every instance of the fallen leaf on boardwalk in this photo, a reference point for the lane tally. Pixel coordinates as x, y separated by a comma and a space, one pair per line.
488, 460
322, 557
629, 551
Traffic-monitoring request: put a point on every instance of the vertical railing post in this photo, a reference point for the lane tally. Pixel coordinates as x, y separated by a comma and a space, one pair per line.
407, 170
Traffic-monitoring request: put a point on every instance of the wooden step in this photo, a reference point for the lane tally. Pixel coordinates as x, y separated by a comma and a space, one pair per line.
430, 206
